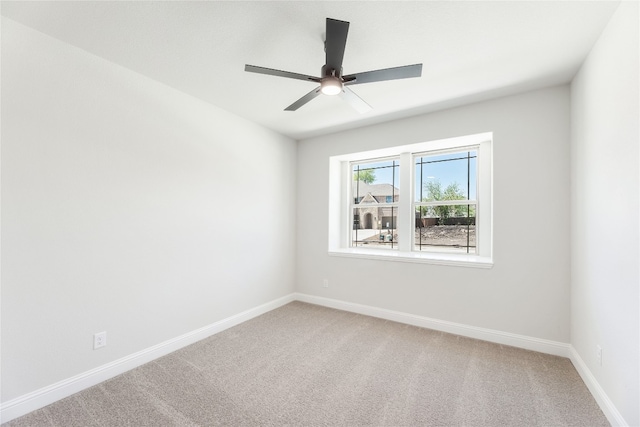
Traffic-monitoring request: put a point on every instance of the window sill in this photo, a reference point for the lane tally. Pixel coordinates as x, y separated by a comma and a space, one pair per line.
458, 260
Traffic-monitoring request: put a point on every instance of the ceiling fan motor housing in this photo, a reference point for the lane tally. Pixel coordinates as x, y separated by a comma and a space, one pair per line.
330, 72
331, 83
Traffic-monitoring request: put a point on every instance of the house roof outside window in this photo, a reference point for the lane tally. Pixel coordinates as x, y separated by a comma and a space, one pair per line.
379, 191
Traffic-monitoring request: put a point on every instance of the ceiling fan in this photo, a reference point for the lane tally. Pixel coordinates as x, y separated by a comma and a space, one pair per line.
332, 81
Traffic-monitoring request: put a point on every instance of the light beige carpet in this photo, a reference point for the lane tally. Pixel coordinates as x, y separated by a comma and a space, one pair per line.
305, 365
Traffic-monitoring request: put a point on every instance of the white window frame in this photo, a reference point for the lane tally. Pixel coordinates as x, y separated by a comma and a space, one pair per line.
353, 205
340, 196
418, 203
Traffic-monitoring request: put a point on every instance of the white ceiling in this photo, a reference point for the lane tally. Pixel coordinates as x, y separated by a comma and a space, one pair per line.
471, 50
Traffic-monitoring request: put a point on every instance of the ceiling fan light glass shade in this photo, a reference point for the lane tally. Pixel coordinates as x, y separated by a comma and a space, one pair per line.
331, 86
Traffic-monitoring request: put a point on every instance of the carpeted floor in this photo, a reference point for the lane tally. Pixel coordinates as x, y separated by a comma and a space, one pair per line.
305, 365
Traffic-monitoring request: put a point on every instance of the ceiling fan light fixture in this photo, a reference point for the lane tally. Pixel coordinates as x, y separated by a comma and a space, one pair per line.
331, 86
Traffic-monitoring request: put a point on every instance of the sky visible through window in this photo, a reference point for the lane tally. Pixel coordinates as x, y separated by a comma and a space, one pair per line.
446, 168
452, 168
384, 172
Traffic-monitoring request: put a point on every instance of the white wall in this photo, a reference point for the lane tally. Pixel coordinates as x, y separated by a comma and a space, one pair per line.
527, 290
127, 207
605, 188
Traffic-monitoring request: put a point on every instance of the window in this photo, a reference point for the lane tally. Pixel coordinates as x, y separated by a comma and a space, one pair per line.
427, 202
375, 208
445, 201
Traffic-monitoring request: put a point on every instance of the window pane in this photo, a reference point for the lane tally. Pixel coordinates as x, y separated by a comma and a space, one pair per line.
446, 229
376, 182
449, 176
375, 227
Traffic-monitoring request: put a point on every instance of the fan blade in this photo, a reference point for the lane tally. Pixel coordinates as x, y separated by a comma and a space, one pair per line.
354, 100
395, 73
300, 102
280, 73
335, 44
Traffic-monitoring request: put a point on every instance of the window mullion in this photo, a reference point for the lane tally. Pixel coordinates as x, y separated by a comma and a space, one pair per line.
405, 226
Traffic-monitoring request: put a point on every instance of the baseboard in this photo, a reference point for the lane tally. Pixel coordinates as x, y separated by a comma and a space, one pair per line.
499, 337
607, 406
45, 396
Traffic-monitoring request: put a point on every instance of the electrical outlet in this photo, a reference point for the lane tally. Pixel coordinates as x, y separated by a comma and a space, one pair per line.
99, 340
599, 355
325, 283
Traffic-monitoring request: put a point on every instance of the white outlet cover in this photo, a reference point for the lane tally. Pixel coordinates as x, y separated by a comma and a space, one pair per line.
99, 340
